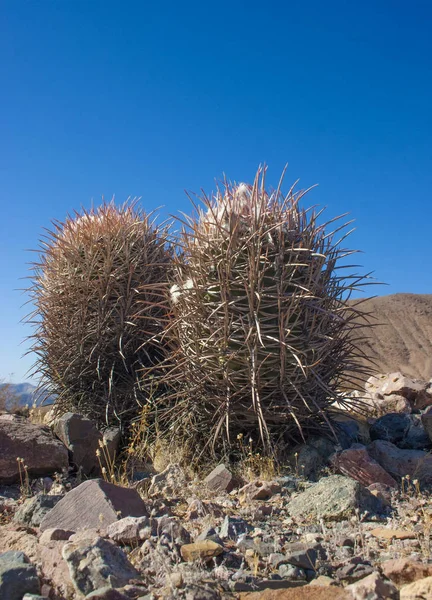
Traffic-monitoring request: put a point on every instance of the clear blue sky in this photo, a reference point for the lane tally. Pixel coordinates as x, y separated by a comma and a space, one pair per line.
147, 99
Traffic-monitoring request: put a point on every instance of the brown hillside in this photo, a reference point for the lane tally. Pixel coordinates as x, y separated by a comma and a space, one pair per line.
402, 338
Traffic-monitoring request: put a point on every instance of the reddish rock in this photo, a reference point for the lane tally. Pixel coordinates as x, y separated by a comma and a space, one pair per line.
403, 570
35, 444
220, 479
55, 535
94, 503
415, 463
357, 464
259, 490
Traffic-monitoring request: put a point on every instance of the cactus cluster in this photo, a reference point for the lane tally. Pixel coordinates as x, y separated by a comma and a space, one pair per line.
242, 322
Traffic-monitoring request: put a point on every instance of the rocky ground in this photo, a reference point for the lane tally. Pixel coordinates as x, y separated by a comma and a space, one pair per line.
349, 521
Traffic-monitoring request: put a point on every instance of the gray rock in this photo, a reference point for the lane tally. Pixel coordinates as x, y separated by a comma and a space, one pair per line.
34, 597
405, 431
415, 463
17, 576
373, 587
97, 564
111, 438
170, 531
301, 555
169, 483
41, 452
209, 533
220, 479
94, 504
33, 510
334, 498
81, 437
290, 571
232, 527
131, 530
426, 419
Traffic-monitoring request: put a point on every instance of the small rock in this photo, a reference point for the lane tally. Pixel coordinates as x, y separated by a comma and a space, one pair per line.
289, 571
169, 530
169, 483
418, 590
97, 564
209, 534
81, 437
107, 593
301, 555
373, 587
353, 570
392, 534
357, 464
232, 527
259, 490
323, 580
203, 551
94, 503
55, 535
130, 530
33, 510
334, 498
220, 479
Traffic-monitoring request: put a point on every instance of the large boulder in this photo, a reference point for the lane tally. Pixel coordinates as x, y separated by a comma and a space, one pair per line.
41, 452
94, 504
333, 498
97, 563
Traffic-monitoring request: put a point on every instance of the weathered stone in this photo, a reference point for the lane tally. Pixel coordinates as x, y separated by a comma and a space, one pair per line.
418, 590
94, 503
170, 530
232, 527
353, 570
259, 490
426, 419
17, 576
41, 452
405, 431
307, 459
97, 564
305, 592
373, 587
395, 383
198, 509
81, 437
403, 570
333, 498
169, 483
33, 510
415, 463
131, 530
209, 533
111, 439
301, 555
18, 538
392, 534
290, 571
107, 593
55, 535
220, 479
55, 569
203, 551
357, 464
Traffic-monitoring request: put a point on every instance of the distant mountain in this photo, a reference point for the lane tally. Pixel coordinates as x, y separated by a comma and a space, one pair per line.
24, 394
401, 339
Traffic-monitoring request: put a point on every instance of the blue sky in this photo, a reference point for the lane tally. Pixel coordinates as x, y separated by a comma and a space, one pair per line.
148, 99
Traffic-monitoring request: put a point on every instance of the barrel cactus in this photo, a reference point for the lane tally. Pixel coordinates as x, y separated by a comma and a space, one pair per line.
261, 321
99, 295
